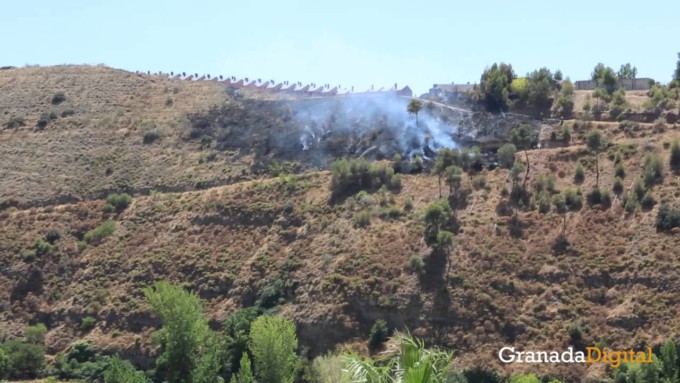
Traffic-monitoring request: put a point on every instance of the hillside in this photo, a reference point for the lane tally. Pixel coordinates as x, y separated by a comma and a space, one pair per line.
246, 236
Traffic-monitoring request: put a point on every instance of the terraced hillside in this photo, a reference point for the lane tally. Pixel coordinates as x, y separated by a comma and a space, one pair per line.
333, 266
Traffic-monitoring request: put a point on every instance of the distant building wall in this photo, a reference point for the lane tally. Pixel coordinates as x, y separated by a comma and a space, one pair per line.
627, 84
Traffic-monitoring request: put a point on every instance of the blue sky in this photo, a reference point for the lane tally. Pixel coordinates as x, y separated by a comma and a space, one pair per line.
349, 42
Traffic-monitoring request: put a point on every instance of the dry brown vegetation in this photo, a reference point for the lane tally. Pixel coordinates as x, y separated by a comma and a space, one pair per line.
619, 279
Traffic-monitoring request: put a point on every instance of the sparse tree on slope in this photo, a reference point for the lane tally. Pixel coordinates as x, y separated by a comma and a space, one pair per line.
414, 107
595, 144
521, 138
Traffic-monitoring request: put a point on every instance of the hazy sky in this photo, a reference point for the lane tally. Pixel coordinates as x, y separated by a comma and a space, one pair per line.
348, 42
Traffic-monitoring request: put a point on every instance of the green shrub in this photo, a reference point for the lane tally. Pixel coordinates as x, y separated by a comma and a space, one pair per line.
107, 208
620, 171
573, 200
667, 218
28, 255
506, 156
544, 201
58, 98
408, 204
15, 122
52, 236
653, 169
416, 264
88, 323
599, 197
579, 174
574, 332
150, 137
81, 362
43, 120
351, 176
121, 371
119, 201
648, 201
639, 189
35, 334
631, 203
105, 229
5, 367
379, 334
675, 156
362, 219
41, 247
618, 186
394, 212
68, 112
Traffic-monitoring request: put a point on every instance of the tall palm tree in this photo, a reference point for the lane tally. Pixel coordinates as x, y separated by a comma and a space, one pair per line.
408, 361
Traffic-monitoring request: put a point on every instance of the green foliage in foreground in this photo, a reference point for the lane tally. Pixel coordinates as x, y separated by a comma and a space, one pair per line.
273, 344
121, 371
411, 363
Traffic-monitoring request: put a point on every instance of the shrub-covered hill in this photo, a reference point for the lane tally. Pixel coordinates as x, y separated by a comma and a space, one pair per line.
280, 243
316, 249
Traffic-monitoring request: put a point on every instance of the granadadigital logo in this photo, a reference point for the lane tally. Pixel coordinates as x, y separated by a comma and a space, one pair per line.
591, 355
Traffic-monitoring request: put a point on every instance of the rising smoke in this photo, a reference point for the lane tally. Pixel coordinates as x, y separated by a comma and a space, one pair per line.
375, 125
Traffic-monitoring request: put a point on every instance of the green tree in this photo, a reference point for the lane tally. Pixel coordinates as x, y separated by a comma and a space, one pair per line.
521, 138
330, 369
526, 378
414, 106
579, 173
436, 217
445, 244
669, 360
506, 155
563, 106
411, 363
676, 74
541, 85
120, 371
605, 76
4, 364
445, 158
209, 363
237, 335
494, 86
595, 144
26, 360
454, 178
184, 330
627, 71
273, 344
562, 209
558, 75
245, 371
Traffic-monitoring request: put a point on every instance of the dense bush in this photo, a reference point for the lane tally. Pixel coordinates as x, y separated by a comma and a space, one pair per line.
579, 174
15, 122
88, 323
68, 112
119, 201
653, 169
105, 229
150, 137
351, 176
599, 197
667, 218
43, 120
58, 98
121, 371
675, 156
379, 334
81, 362
416, 264
362, 219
